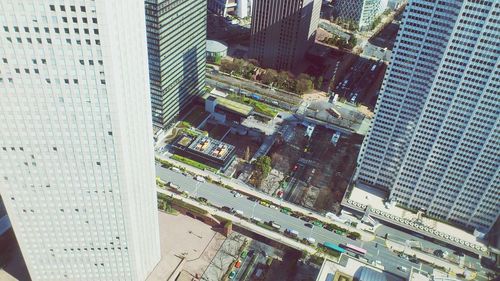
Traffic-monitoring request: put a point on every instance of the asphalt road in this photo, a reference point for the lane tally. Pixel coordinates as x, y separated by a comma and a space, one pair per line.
223, 197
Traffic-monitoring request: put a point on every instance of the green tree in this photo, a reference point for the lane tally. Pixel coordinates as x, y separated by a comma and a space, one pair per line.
263, 164
248, 70
319, 82
303, 85
269, 76
217, 59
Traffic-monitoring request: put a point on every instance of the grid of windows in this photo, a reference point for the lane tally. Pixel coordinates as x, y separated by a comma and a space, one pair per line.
282, 31
61, 168
176, 32
434, 141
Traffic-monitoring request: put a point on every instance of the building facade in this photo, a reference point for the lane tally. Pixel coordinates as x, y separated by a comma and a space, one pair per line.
224, 8
282, 31
76, 160
361, 12
176, 32
434, 141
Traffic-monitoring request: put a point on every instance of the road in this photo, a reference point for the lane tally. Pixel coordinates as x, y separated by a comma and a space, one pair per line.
220, 196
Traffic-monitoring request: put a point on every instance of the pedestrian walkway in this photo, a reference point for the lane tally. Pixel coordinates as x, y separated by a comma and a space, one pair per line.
429, 258
245, 224
244, 188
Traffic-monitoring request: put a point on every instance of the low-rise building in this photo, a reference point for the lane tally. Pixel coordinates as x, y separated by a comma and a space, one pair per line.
205, 150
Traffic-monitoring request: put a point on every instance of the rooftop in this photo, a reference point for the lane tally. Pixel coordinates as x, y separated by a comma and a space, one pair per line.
216, 46
212, 147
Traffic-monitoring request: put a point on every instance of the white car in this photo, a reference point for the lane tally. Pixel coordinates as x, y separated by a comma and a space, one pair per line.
200, 179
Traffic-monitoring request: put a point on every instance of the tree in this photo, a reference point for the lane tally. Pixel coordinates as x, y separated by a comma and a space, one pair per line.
248, 70
319, 82
269, 76
217, 59
284, 80
263, 164
303, 85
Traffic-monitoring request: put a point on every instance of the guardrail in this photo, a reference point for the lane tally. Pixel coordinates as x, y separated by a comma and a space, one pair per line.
422, 229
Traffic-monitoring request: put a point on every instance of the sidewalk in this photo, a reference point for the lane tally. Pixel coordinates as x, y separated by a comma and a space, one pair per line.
242, 187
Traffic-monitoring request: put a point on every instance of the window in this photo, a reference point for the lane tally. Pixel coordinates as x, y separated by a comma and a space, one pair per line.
85, 20
26, 29
75, 20
62, 8
52, 7
6, 28
83, 9
94, 20
96, 31
72, 8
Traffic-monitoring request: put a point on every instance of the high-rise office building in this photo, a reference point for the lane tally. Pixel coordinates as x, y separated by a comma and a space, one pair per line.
282, 31
76, 160
435, 138
361, 12
176, 31
224, 8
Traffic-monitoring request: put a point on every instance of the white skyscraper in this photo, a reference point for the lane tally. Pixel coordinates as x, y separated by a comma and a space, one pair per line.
76, 159
435, 140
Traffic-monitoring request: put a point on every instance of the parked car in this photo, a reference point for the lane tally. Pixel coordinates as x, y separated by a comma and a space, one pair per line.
237, 264
202, 199
308, 225
232, 275
172, 185
200, 179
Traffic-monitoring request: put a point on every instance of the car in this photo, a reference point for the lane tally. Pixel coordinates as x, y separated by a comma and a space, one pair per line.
232, 274
414, 260
172, 185
264, 203
439, 253
200, 179
237, 264
236, 194
250, 253
305, 218
175, 169
244, 254
251, 198
202, 199
403, 268
308, 225
227, 209
317, 223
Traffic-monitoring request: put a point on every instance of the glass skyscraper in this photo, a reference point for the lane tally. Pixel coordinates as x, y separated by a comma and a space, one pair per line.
76, 158
434, 142
176, 32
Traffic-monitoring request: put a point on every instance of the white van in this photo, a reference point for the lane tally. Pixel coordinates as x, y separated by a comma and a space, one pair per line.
403, 268
200, 178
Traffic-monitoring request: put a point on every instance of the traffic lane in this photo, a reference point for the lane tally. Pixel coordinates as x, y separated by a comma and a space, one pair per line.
223, 197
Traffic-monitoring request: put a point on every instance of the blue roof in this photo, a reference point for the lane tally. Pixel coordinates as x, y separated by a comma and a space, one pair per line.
334, 247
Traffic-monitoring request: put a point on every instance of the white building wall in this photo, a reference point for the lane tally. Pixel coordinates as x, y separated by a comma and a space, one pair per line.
76, 159
434, 141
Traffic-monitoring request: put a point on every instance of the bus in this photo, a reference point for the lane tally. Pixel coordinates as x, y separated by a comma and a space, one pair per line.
333, 247
355, 249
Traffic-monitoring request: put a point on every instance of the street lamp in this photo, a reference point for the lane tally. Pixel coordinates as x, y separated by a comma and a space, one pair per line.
196, 189
253, 208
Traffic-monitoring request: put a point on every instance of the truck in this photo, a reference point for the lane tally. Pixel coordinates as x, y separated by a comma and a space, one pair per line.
291, 232
274, 225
